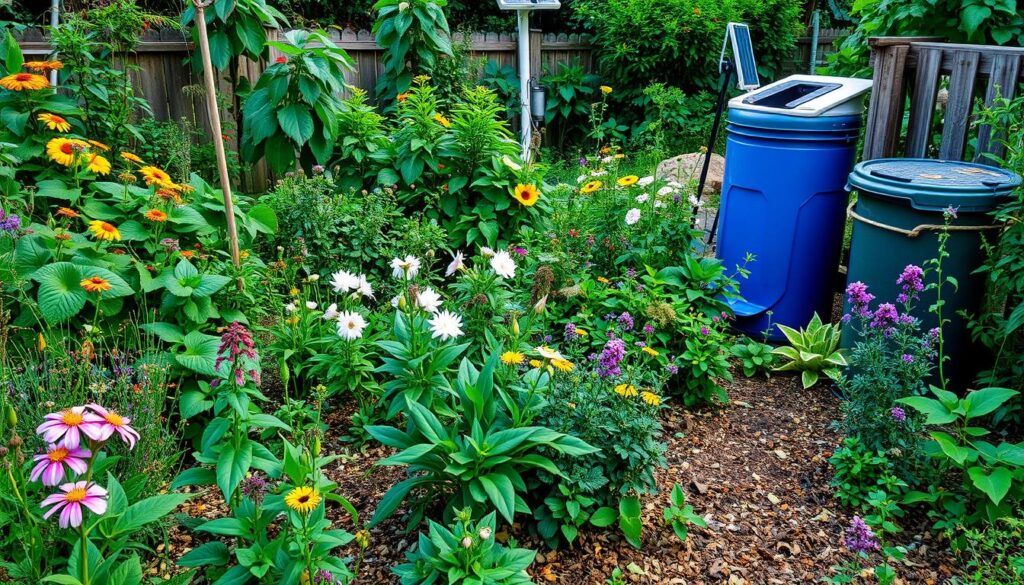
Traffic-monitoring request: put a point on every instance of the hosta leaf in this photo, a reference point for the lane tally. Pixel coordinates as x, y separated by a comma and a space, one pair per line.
61, 295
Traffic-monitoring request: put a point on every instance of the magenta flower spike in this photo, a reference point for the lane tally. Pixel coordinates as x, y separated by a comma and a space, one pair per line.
70, 500
50, 466
101, 424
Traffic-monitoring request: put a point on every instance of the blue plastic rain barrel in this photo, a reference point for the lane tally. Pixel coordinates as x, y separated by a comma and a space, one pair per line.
784, 202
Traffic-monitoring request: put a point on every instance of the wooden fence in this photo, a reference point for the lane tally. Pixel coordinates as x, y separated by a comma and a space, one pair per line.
162, 73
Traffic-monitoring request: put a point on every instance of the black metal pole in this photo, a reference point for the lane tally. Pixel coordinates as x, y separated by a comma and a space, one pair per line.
727, 71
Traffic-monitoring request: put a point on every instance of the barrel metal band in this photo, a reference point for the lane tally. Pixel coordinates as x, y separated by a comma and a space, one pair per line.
924, 227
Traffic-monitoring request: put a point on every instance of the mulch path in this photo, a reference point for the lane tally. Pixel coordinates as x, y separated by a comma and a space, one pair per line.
757, 470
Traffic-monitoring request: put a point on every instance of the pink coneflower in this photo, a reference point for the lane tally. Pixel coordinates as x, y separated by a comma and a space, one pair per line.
66, 423
71, 498
101, 424
51, 464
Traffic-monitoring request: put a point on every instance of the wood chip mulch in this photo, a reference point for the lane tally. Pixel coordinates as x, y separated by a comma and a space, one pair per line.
757, 470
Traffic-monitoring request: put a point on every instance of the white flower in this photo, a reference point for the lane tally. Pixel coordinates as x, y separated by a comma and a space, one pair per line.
428, 300
581, 178
658, 205
408, 267
632, 216
666, 190
290, 307
331, 312
394, 300
643, 182
642, 198
403, 6
548, 353
484, 533
455, 265
675, 184
363, 287
504, 265
607, 160
486, 252
310, 305
314, 277
598, 173
446, 325
694, 201
343, 281
350, 325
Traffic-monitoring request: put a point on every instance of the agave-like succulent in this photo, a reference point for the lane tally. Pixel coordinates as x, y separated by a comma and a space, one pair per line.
813, 351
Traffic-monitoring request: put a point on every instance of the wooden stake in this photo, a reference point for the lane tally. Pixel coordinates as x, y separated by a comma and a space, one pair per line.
218, 136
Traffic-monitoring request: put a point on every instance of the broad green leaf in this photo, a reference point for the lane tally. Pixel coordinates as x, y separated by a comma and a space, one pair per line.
995, 485
60, 295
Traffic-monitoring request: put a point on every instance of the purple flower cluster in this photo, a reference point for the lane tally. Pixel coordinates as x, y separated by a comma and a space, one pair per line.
570, 332
898, 414
239, 351
519, 250
648, 329
860, 537
9, 223
170, 245
631, 273
858, 296
885, 316
254, 487
324, 577
911, 280
626, 321
613, 353
704, 330
672, 369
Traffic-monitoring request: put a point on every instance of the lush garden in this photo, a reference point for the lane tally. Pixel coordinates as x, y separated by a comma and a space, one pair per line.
433, 361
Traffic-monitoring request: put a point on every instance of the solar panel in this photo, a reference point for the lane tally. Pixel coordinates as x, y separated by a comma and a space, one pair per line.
737, 37
529, 4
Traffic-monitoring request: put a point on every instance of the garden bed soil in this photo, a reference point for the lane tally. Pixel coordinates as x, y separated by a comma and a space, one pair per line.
757, 470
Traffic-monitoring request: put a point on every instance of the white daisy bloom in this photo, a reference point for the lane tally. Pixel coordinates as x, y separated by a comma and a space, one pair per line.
607, 159
503, 265
407, 267
290, 308
455, 265
363, 287
658, 205
694, 201
310, 305
675, 184
350, 325
428, 300
446, 325
343, 281
486, 252
632, 216
643, 182
598, 173
331, 312
666, 190
581, 178
642, 198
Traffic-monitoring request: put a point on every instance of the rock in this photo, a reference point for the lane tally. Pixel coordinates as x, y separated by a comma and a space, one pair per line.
686, 167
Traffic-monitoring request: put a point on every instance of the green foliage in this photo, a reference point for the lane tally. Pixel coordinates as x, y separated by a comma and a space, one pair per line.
675, 122
992, 554
755, 357
813, 351
570, 93
465, 554
238, 28
991, 475
414, 35
362, 134
679, 515
292, 112
478, 459
860, 471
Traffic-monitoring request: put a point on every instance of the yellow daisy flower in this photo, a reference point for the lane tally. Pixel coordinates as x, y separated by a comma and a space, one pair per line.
512, 358
95, 284
628, 180
54, 122
591, 187
131, 157
303, 499
526, 194
442, 120
99, 145
606, 89
603, 280
562, 365
23, 81
104, 231
650, 398
43, 66
536, 363
156, 215
155, 176
98, 165
626, 390
650, 351
64, 151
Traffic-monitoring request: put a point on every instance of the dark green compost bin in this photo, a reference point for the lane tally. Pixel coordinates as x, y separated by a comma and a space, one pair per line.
896, 222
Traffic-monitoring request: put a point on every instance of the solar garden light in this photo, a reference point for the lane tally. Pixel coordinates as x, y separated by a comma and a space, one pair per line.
538, 102
523, 8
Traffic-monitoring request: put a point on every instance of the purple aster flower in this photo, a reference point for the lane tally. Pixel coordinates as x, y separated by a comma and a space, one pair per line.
613, 353
631, 273
254, 487
570, 332
640, 344
898, 414
626, 321
519, 250
324, 577
548, 339
583, 161
170, 245
704, 330
857, 295
9, 223
672, 369
885, 316
648, 329
911, 281
860, 537
907, 358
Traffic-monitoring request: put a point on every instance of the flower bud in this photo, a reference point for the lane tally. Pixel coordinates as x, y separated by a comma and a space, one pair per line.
316, 446
12, 416
15, 442
467, 542
515, 327
403, 6
402, 303
541, 305
41, 343
484, 533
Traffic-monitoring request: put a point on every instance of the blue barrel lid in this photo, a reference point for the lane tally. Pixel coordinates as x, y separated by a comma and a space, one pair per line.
934, 185
770, 121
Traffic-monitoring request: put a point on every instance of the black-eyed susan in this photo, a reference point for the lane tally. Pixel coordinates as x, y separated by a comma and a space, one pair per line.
64, 151
650, 398
649, 351
131, 157
154, 176
562, 365
591, 186
512, 358
628, 180
526, 194
626, 390
303, 499
24, 81
155, 215
98, 164
95, 284
442, 120
54, 122
104, 231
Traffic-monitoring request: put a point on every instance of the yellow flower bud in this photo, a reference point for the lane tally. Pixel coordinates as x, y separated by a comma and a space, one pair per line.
515, 327
42, 343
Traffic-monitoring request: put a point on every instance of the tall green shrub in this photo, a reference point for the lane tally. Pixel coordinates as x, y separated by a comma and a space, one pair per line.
414, 35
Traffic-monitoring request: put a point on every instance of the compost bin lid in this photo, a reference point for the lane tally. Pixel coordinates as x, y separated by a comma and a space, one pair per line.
934, 185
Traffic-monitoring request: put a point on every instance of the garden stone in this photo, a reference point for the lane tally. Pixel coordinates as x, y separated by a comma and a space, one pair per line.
686, 167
